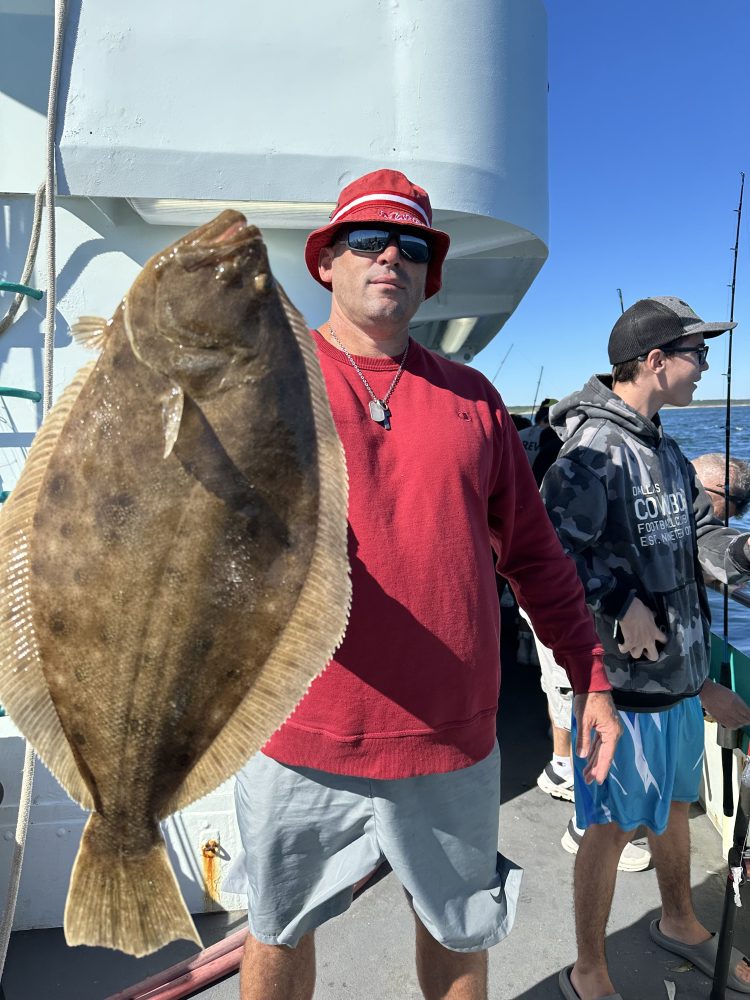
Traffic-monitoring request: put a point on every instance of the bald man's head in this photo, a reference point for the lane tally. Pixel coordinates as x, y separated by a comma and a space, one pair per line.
710, 469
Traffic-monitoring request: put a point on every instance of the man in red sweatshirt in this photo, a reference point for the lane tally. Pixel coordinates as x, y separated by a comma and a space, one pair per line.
390, 760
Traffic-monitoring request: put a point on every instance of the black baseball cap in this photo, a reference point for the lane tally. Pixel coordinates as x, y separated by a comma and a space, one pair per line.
654, 322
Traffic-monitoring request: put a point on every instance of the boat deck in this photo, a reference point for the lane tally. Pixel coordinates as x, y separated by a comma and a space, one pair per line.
367, 953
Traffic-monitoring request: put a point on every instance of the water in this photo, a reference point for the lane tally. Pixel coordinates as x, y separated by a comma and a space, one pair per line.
701, 429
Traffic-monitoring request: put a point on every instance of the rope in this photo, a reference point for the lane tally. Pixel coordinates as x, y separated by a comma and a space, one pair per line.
28, 267
24, 805
49, 333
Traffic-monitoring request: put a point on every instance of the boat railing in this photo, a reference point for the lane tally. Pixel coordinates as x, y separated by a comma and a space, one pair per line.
739, 659
738, 594
30, 394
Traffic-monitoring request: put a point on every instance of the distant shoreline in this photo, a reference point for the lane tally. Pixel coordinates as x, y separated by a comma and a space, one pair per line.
696, 404
711, 402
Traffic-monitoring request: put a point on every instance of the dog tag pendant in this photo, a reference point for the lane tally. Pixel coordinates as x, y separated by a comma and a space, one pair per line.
380, 413
377, 411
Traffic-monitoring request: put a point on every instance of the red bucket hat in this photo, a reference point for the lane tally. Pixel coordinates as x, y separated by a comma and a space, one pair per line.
382, 196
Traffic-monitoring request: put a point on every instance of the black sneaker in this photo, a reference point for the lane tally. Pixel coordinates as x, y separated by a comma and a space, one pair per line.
555, 785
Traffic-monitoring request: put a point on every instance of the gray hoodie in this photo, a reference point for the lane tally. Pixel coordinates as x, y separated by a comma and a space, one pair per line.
629, 509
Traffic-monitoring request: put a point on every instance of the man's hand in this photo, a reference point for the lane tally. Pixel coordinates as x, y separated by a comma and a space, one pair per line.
596, 711
724, 706
640, 633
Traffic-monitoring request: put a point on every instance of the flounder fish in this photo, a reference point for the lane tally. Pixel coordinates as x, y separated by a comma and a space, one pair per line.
173, 564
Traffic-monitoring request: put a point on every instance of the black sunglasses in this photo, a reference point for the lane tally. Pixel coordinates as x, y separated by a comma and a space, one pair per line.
412, 247
700, 352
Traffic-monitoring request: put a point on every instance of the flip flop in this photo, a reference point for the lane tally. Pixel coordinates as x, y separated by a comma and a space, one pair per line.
568, 990
703, 955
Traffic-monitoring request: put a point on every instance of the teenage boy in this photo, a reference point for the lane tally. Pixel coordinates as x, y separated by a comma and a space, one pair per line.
628, 508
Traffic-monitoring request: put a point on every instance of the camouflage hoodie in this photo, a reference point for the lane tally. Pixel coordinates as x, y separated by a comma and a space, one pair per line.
628, 508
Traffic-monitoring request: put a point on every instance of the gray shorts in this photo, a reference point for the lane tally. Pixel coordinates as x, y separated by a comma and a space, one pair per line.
310, 836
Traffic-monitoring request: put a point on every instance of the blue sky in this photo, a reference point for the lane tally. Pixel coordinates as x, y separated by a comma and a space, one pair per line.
649, 128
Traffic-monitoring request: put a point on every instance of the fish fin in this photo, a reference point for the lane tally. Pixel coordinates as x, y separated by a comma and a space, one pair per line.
171, 415
318, 623
91, 331
131, 903
23, 687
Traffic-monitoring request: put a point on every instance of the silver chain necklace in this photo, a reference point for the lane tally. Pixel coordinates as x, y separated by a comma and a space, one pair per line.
378, 407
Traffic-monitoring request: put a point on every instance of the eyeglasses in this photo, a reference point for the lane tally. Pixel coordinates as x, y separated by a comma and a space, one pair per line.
701, 353
410, 246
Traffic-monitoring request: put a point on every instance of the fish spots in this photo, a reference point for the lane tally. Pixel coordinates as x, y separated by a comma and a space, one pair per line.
58, 624
115, 515
202, 645
59, 486
123, 360
105, 635
67, 529
122, 501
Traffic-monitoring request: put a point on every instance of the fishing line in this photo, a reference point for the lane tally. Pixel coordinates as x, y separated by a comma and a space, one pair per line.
728, 739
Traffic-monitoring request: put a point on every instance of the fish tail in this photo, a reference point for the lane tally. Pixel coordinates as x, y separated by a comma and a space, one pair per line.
131, 903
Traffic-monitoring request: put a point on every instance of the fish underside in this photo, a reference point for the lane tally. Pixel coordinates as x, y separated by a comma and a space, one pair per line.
173, 565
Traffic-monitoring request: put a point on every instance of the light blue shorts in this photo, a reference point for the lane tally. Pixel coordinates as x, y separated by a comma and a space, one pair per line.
657, 761
310, 836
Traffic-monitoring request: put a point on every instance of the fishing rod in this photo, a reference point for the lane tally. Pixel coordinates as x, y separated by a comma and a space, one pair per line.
726, 738
622, 306
536, 393
499, 367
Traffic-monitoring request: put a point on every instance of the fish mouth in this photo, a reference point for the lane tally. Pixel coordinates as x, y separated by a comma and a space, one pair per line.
234, 230
217, 241
228, 229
